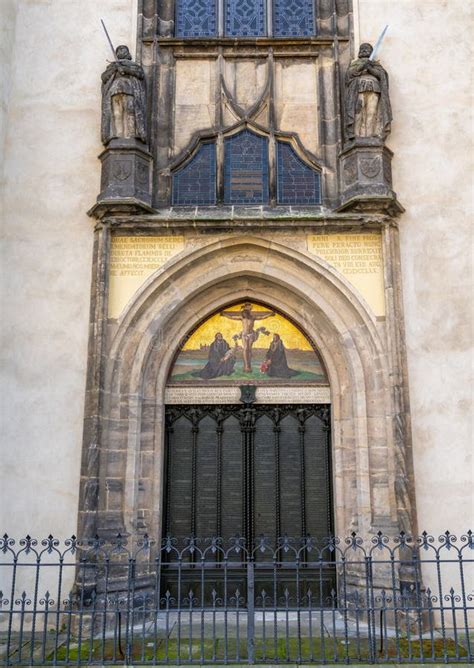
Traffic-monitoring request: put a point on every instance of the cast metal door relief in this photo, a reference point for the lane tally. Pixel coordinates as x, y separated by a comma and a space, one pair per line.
246, 472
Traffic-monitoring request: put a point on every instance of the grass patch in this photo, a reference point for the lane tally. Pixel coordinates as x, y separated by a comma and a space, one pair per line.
317, 650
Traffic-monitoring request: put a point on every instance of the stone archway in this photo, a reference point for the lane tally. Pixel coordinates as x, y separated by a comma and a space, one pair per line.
371, 485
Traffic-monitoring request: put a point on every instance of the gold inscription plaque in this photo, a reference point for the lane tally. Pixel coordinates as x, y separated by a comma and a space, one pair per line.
132, 261
231, 395
359, 259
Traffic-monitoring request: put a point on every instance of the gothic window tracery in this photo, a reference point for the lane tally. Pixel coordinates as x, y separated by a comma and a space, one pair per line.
196, 18
195, 183
293, 18
245, 169
245, 18
296, 183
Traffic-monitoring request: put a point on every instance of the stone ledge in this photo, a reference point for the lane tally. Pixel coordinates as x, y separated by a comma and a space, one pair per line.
151, 225
214, 42
227, 219
367, 204
118, 206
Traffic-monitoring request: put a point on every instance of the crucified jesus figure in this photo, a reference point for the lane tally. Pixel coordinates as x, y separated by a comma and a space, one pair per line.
248, 317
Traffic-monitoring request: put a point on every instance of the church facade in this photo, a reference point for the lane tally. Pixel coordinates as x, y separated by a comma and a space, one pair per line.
225, 189
275, 334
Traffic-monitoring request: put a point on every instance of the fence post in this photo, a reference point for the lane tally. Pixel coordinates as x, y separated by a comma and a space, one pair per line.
250, 610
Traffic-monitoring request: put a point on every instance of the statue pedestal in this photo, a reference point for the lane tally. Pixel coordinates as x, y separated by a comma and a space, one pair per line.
126, 179
366, 176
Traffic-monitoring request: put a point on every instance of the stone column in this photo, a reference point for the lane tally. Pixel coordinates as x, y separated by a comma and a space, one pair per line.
90, 464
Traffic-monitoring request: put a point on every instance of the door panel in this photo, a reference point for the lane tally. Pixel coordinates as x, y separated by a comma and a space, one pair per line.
231, 499
292, 519
264, 479
206, 478
247, 471
264, 470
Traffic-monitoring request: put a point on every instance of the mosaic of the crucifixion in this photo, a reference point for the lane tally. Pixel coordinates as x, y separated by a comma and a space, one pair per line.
247, 341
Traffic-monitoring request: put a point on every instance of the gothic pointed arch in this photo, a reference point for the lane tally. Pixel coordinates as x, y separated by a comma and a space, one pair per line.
323, 304
245, 169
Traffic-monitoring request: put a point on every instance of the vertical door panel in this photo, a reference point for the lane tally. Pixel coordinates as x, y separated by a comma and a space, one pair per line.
206, 478
232, 478
179, 479
290, 477
318, 502
265, 502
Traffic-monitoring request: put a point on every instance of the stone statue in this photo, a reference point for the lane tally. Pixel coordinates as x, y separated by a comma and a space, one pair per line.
123, 99
368, 110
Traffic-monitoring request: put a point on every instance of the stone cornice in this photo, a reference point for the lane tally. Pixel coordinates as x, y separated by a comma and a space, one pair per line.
233, 218
256, 42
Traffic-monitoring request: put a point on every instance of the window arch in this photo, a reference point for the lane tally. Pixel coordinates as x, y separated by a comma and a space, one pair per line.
246, 169
245, 18
246, 174
195, 183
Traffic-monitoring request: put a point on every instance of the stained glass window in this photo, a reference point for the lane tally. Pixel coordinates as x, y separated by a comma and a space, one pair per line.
246, 175
246, 169
245, 18
293, 18
196, 18
195, 183
297, 183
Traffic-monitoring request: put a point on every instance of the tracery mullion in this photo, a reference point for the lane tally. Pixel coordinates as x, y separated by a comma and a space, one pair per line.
220, 168
269, 17
272, 167
219, 124
220, 17
272, 171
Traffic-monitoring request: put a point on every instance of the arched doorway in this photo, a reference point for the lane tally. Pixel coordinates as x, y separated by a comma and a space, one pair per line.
247, 446
247, 442
122, 482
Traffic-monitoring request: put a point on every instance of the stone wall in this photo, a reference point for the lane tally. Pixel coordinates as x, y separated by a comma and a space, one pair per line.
8, 11
54, 54
433, 159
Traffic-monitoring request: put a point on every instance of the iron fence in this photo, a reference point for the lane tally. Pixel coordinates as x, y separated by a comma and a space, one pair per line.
222, 601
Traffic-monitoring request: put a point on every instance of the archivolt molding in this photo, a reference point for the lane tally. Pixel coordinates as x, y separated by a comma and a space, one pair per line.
205, 136
179, 284
194, 285
258, 255
346, 321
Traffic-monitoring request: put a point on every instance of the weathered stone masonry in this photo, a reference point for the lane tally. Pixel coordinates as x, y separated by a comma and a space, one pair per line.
251, 252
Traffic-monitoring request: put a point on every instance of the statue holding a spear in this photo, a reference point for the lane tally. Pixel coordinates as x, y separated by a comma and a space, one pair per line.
368, 111
123, 97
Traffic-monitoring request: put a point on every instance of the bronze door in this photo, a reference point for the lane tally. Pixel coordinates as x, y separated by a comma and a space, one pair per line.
250, 471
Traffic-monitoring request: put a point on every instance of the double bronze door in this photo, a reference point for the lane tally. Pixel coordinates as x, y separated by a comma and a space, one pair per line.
251, 471
247, 470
